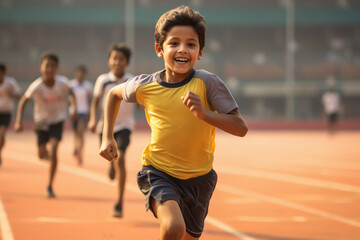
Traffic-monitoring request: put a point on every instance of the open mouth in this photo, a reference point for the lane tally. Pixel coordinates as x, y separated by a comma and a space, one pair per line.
181, 60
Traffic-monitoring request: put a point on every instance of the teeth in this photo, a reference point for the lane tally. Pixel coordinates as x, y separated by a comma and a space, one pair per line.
181, 59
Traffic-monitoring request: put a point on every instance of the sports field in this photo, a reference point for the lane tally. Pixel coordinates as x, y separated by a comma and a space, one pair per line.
273, 185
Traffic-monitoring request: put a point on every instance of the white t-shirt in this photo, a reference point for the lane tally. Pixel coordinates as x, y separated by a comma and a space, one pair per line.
8, 88
82, 94
62, 78
125, 118
331, 102
49, 102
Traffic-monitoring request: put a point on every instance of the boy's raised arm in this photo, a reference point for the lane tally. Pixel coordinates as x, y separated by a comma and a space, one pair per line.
72, 100
231, 122
19, 113
108, 148
93, 113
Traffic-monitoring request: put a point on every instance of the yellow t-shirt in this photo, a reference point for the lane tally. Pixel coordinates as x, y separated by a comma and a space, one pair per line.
181, 145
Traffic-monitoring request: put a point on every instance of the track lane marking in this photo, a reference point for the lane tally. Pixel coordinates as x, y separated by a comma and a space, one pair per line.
241, 171
102, 179
227, 228
329, 164
6, 233
269, 219
269, 174
288, 204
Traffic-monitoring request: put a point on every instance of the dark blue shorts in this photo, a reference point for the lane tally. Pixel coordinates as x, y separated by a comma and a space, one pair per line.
333, 117
5, 119
122, 139
193, 195
44, 132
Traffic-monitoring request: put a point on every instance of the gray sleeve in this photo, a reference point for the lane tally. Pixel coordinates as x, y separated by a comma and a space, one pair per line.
218, 95
132, 84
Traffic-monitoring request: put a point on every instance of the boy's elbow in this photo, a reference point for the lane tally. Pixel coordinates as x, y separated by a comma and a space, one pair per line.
243, 129
243, 132
23, 100
114, 93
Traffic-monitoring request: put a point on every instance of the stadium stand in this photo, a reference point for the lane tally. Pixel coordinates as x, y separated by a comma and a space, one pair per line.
245, 45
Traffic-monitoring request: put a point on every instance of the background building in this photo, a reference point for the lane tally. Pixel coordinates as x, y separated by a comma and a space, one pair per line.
246, 45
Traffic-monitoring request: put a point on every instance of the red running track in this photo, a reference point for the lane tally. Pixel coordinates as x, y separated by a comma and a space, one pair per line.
273, 185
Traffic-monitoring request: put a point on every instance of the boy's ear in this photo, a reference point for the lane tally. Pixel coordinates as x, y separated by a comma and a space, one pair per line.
158, 50
200, 54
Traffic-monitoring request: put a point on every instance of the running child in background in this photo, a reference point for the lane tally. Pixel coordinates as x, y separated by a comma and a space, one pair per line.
331, 101
51, 97
183, 107
9, 90
83, 90
118, 60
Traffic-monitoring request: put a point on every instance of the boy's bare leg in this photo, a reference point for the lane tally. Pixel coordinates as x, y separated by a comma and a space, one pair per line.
189, 237
53, 162
79, 141
2, 140
172, 225
42, 152
76, 143
332, 128
122, 176
121, 180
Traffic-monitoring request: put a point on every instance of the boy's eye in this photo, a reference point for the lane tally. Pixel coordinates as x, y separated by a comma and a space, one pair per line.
191, 44
173, 43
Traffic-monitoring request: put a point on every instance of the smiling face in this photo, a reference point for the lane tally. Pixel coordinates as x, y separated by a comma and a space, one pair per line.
48, 69
180, 50
117, 63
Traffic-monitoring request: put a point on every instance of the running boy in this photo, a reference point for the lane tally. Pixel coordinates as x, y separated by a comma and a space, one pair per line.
82, 89
183, 107
9, 90
50, 105
331, 101
118, 60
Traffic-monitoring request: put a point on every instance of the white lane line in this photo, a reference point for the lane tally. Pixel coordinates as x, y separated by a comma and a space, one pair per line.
102, 179
269, 219
227, 228
330, 164
287, 178
6, 233
62, 220
288, 204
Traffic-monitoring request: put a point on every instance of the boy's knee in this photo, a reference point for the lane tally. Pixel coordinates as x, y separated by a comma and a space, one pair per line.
121, 158
42, 153
174, 230
54, 143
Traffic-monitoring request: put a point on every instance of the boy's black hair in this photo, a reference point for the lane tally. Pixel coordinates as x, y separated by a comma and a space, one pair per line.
180, 16
121, 47
81, 68
51, 56
3, 67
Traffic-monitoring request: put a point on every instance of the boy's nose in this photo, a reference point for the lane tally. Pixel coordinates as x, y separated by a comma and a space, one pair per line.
182, 49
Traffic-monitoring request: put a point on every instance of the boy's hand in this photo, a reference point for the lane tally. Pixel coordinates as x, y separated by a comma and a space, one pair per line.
91, 126
108, 149
74, 116
193, 102
18, 127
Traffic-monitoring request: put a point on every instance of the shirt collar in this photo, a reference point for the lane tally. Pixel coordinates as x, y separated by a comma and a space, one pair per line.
117, 79
176, 84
